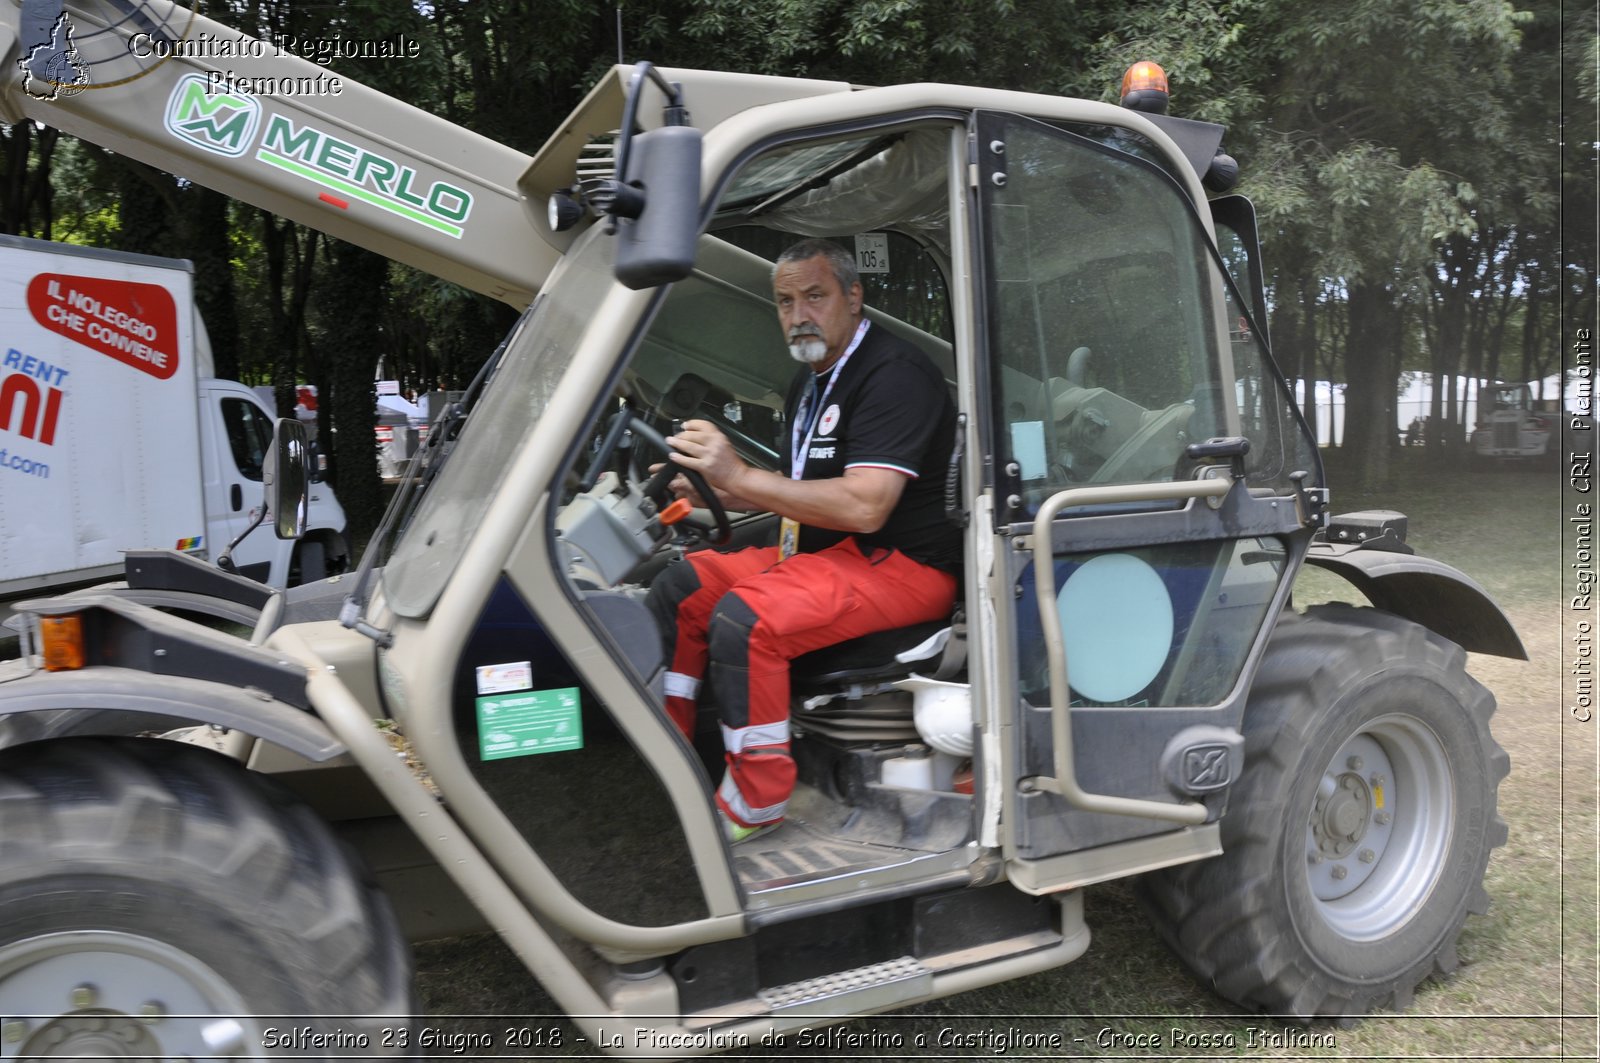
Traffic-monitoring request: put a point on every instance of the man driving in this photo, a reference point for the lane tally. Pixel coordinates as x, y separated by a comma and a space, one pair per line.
864, 543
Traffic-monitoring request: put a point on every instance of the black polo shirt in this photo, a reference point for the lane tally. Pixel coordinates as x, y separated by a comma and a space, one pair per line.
889, 408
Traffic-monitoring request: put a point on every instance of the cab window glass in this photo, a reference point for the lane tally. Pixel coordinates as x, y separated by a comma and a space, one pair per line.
249, 435
1116, 338
715, 350
1188, 617
1101, 317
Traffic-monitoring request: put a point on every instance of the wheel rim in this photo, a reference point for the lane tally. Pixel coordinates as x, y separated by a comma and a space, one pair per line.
107, 994
1379, 830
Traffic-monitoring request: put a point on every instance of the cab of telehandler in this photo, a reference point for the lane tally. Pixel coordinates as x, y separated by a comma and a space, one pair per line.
1062, 274
1137, 492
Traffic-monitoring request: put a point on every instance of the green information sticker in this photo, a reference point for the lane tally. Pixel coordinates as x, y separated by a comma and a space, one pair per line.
528, 722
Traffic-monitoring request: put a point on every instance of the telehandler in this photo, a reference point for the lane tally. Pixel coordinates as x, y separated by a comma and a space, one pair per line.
223, 805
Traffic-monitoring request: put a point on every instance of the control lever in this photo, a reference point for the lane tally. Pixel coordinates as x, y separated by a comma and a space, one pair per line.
1305, 508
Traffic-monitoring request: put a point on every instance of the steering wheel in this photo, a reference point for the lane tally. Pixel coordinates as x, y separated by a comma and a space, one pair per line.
1153, 446
656, 489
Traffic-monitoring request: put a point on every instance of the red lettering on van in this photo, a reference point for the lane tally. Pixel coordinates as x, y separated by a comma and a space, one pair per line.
39, 412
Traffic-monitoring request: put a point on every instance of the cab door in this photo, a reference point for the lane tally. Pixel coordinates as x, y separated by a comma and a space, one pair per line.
1142, 570
239, 434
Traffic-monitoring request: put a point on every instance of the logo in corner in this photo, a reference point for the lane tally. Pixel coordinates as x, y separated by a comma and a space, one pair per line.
52, 67
224, 123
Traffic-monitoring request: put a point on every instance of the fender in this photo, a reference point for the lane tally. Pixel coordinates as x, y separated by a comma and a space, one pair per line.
124, 690
1427, 592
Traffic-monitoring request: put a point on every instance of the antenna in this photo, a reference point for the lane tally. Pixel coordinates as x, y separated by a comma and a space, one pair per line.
619, 35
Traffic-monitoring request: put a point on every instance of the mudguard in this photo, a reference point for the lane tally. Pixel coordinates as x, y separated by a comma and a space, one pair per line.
1425, 591
161, 698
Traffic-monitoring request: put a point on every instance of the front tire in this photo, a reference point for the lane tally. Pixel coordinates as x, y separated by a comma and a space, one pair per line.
157, 900
1356, 840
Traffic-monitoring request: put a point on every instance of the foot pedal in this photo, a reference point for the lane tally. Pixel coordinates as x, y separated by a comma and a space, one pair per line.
868, 988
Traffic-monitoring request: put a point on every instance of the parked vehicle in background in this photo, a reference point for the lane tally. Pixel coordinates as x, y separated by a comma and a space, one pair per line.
402, 427
114, 435
1509, 426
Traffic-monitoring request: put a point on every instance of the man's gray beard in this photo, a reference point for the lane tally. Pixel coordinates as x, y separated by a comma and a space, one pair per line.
808, 349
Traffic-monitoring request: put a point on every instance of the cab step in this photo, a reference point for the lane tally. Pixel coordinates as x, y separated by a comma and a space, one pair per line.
853, 992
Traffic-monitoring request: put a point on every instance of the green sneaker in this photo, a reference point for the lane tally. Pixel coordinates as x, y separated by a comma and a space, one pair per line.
737, 834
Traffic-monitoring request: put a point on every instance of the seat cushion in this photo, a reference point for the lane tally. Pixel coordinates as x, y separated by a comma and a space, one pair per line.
858, 660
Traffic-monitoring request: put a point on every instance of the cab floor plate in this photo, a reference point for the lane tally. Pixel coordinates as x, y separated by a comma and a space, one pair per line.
798, 852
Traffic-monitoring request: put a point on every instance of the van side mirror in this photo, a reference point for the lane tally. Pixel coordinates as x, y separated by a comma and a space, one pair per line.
285, 478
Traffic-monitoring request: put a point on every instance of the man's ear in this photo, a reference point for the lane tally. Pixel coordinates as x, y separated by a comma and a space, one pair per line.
855, 298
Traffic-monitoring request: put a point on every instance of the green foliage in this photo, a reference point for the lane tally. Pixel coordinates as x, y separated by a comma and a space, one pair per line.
1402, 149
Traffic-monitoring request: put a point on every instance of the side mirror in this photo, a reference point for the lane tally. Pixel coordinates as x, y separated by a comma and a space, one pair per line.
285, 478
658, 246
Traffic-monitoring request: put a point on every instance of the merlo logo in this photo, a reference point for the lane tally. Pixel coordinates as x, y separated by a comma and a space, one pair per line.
221, 122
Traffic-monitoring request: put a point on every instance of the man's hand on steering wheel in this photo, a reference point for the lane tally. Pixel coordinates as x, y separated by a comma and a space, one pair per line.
702, 448
696, 490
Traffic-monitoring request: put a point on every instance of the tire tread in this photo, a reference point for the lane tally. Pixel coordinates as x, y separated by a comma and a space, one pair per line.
1217, 921
178, 820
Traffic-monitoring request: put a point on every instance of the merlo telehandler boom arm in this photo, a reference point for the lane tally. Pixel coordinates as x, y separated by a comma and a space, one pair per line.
260, 124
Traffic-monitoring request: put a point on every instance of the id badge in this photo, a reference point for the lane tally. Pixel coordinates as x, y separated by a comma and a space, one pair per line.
788, 538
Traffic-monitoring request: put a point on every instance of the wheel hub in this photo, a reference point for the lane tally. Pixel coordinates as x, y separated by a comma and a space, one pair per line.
110, 995
1378, 833
1351, 818
91, 1034
1340, 821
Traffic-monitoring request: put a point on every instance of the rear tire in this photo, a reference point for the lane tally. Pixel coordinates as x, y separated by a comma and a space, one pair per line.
158, 900
1355, 842
19, 727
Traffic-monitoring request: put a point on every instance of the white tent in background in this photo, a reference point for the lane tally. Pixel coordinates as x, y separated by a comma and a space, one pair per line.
395, 404
1415, 400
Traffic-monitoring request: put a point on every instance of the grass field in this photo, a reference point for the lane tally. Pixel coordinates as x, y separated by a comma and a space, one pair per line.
1524, 967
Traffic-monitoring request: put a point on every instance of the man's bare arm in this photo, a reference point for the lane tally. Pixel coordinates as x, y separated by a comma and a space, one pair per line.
860, 501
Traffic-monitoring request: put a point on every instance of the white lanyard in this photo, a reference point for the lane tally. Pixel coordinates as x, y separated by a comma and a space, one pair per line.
801, 449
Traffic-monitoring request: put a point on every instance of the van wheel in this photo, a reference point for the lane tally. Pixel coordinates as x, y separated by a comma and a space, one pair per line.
1356, 839
158, 901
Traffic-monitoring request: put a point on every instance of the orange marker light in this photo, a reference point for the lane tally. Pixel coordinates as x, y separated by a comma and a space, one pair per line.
61, 642
1144, 88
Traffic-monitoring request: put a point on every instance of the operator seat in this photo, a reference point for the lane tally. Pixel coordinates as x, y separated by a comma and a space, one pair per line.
882, 657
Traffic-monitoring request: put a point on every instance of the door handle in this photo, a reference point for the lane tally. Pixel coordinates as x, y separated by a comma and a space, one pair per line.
236, 496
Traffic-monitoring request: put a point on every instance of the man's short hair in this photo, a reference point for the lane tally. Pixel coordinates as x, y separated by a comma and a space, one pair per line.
842, 262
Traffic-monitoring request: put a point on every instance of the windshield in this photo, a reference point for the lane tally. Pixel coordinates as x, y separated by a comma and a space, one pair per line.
1508, 398
788, 172
537, 356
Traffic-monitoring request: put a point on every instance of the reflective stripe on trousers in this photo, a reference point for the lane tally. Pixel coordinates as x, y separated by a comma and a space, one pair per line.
743, 617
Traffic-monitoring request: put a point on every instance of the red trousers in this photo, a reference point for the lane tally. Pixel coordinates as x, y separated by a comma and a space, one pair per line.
749, 615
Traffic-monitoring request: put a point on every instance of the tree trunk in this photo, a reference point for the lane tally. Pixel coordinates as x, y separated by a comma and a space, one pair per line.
1369, 374
25, 200
204, 224
355, 290
144, 216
